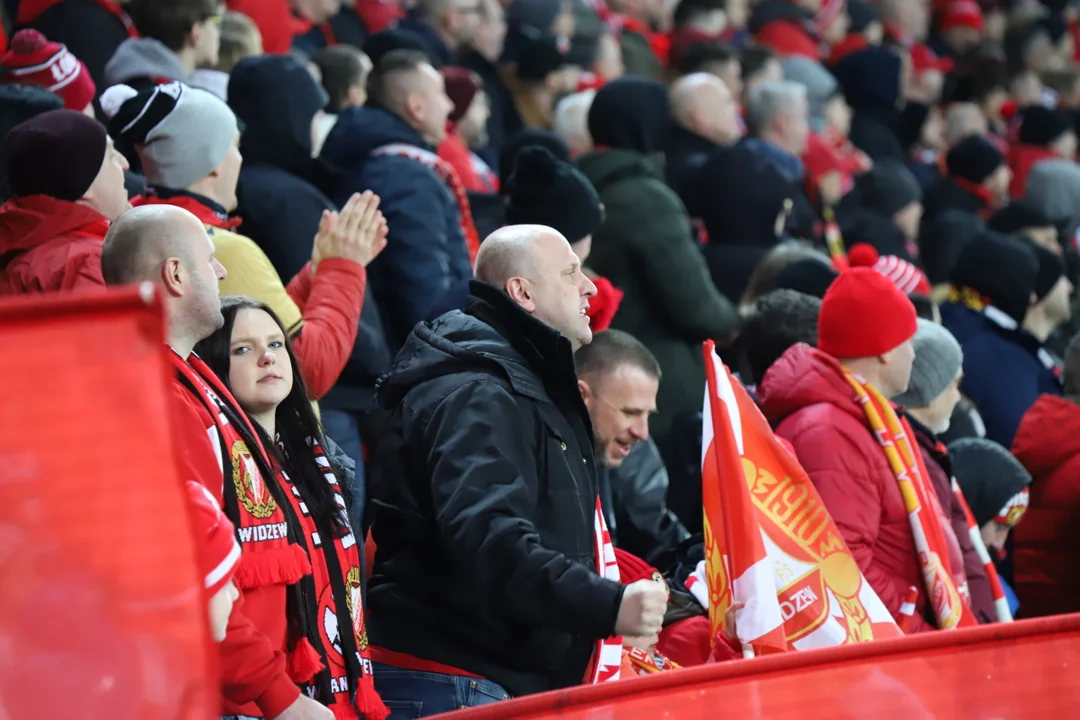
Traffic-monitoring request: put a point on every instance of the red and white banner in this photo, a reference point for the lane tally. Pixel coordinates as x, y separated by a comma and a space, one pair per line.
769, 541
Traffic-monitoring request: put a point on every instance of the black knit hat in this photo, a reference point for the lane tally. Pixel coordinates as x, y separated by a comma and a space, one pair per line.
525, 138
988, 475
1000, 268
941, 243
539, 57
1042, 125
888, 188
1017, 216
1051, 268
58, 153
544, 190
808, 276
861, 15
381, 43
19, 103
974, 159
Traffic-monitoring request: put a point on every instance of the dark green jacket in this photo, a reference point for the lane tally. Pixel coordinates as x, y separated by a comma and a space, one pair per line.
646, 248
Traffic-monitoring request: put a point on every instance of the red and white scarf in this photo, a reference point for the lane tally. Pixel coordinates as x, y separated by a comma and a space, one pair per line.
1001, 603
341, 676
607, 658
449, 176
923, 510
270, 556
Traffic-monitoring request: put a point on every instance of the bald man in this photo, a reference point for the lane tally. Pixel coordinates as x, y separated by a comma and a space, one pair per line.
706, 117
170, 248
490, 580
389, 148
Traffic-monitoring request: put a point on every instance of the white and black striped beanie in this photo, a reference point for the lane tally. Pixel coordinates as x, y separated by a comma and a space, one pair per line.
182, 134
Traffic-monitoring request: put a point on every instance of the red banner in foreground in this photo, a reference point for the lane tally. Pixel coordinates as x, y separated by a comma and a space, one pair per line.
1004, 672
101, 606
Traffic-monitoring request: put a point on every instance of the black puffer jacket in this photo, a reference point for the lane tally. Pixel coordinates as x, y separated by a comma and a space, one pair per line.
484, 492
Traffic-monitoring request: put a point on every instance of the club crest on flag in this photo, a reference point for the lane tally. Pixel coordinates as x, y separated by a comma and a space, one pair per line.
770, 543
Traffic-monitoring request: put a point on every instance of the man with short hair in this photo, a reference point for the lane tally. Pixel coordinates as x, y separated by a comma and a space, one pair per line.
388, 148
344, 71
706, 116
775, 322
494, 572
832, 404
776, 118
177, 37
619, 378
67, 185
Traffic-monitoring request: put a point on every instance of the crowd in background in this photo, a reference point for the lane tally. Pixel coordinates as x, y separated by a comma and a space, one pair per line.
856, 200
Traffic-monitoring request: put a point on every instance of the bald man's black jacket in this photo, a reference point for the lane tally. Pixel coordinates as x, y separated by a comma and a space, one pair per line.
484, 494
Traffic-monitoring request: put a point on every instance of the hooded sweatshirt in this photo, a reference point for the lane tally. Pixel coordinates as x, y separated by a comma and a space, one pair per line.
141, 61
48, 244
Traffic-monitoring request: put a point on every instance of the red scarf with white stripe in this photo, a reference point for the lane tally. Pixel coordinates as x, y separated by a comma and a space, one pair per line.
1001, 603
607, 658
449, 176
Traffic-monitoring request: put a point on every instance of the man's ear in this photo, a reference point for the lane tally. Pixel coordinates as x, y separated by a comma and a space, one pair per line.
173, 277
586, 391
193, 36
414, 106
518, 290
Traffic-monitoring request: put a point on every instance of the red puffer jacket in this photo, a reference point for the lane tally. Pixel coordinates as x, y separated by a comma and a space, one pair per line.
48, 245
804, 394
1046, 557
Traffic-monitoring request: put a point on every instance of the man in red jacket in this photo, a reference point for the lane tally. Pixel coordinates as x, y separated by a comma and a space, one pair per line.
865, 332
67, 185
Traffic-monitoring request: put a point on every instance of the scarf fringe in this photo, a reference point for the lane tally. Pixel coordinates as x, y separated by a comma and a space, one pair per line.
304, 662
283, 566
368, 710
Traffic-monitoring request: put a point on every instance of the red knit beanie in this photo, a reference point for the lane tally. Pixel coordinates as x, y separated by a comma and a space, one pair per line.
215, 536
33, 60
462, 85
632, 568
864, 314
962, 13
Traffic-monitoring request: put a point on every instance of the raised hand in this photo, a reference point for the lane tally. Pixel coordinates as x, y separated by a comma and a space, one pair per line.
357, 233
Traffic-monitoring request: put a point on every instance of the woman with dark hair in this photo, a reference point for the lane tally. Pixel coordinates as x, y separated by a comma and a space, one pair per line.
325, 640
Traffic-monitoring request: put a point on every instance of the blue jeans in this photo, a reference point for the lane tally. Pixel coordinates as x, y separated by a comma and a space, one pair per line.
412, 694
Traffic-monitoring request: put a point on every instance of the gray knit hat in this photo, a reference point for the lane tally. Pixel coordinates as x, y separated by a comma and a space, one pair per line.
181, 134
938, 359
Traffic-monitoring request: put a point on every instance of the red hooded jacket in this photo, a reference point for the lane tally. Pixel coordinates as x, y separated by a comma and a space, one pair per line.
1046, 557
1022, 160
804, 394
48, 245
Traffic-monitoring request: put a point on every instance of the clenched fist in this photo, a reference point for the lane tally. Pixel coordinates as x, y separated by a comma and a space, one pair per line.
641, 613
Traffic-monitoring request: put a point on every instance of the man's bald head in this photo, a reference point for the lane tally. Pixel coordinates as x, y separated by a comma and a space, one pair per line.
143, 238
537, 268
703, 104
509, 252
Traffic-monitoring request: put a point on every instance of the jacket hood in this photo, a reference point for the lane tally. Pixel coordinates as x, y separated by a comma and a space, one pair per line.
805, 376
820, 86
28, 222
491, 335
141, 58
870, 79
771, 11
631, 114
361, 130
276, 98
742, 193
1048, 435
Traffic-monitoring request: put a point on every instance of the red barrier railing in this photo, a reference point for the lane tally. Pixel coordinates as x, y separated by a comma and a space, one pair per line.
1018, 670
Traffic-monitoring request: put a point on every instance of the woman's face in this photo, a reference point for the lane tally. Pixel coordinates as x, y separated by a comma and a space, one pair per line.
260, 372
